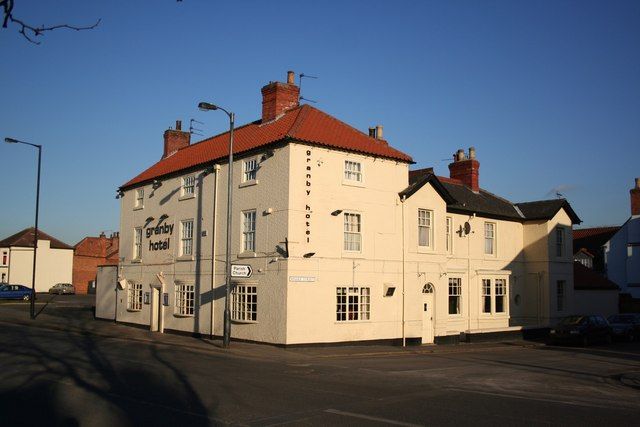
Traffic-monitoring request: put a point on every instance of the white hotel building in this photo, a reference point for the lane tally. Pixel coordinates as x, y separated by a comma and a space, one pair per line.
345, 242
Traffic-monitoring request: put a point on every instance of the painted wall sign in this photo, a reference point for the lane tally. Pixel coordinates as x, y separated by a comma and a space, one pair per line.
302, 278
307, 209
160, 230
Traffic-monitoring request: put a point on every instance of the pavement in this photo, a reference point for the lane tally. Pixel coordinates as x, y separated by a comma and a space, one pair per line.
75, 313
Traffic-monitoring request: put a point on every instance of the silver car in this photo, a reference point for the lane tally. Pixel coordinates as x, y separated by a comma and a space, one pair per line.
62, 289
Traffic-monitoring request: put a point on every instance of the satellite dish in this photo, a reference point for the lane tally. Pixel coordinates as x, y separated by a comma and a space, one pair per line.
467, 228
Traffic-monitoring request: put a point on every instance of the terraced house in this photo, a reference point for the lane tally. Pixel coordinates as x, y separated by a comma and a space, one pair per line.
346, 243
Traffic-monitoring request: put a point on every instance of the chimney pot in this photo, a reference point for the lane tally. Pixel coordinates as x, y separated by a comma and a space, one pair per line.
372, 132
461, 156
635, 198
379, 132
291, 77
178, 124
472, 152
637, 182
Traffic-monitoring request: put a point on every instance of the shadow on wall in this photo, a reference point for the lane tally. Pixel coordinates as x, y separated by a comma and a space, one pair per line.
73, 383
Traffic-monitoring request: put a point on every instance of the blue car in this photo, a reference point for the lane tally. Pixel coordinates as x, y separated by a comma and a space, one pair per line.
15, 292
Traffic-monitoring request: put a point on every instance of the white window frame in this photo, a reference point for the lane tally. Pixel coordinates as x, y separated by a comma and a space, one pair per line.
188, 186
185, 299
353, 171
186, 238
139, 199
500, 291
449, 234
244, 303
250, 170
353, 303
561, 286
425, 225
249, 230
137, 243
560, 242
486, 296
134, 296
455, 291
490, 238
352, 232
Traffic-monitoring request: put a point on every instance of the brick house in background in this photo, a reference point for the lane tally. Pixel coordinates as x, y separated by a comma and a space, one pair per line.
88, 254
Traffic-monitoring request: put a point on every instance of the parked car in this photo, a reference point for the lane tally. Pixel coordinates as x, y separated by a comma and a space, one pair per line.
62, 289
581, 329
625, 326
15, 292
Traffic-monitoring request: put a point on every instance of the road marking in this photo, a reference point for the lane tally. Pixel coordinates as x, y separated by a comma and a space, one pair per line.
367, 417
538, 399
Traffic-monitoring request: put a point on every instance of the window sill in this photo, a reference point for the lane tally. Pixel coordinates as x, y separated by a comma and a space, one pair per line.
247, 255
136, 261
347, 322
138, 208
245, 322
183, 315
187, 197
350, 254
185, 258
249, 183
133, 311
350, 183
425, 250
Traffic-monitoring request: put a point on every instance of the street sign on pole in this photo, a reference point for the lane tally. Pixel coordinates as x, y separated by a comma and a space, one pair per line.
241, 271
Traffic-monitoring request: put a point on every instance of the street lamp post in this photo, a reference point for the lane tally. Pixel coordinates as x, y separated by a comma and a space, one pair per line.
32, 307
205, 106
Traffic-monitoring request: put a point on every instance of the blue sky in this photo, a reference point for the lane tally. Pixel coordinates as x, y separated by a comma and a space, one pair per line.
547, 91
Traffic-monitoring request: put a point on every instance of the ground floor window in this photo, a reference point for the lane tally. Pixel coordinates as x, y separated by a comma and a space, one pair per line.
486, 295
244, 303
560, 295
455, 295
353, 304
134, 297
185, 299
500, 293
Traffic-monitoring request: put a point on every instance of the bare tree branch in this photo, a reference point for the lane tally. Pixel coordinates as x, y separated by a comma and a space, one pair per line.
29, 31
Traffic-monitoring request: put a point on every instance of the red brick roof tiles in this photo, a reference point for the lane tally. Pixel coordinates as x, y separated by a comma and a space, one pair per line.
304, 123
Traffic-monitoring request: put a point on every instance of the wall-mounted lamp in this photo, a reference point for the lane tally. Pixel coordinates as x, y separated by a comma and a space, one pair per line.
156, 184
266, 155
119, 194
309, 254
336, 212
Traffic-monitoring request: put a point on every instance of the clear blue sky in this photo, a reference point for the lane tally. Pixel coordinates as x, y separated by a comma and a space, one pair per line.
547, 91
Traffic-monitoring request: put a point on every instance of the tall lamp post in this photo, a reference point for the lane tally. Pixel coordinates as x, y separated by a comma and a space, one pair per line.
205, 106
32, 307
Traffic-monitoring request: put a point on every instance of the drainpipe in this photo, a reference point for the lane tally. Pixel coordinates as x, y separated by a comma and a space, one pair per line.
214, 236
404, 339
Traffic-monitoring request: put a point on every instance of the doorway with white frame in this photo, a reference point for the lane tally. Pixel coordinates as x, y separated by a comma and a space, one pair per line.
428, 313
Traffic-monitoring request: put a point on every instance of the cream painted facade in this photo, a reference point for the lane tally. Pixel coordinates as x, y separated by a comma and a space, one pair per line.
53, 265
308, 287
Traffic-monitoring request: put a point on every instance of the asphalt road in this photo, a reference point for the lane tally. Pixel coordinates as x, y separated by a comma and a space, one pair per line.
58, 377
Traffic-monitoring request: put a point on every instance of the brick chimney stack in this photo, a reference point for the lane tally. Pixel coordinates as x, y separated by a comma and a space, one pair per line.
176, 139
279, 97
466, 169
635, 198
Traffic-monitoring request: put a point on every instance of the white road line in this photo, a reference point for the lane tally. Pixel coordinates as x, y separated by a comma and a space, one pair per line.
538, 399
367, 417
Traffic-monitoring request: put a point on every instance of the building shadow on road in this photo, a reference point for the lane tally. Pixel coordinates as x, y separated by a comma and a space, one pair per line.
82, 380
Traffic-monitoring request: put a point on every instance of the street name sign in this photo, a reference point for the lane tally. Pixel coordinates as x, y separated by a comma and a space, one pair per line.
241, 271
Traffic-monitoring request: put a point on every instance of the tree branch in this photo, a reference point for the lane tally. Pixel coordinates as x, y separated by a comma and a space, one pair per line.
29, 31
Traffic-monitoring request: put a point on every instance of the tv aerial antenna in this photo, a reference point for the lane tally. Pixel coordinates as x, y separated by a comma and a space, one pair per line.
194, 130
305, 76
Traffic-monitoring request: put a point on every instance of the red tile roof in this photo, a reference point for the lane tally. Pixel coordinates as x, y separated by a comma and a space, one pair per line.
24, 239
304, 123
581, 233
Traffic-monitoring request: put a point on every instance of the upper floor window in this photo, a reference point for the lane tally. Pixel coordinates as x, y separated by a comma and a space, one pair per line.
139, 202
137, 243
249, 170
449, 234
188, 185
5, 257
249, 231
352, 232
425, 230
559, 241
352, 171
186, 238
489, 238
